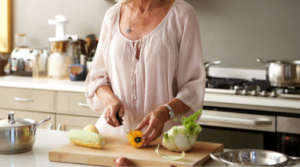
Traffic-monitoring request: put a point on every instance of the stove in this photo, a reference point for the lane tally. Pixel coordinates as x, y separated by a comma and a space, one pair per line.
253, 87
251, 128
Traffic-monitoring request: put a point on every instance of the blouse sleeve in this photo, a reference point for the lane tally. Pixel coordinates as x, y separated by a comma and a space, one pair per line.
191, 75
98, 75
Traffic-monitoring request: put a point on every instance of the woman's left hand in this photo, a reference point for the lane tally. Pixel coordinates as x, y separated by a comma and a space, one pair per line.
155, 122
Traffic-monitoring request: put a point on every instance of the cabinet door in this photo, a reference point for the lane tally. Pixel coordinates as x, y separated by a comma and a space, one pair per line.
74, 103
37, 116
26, 99
69, 122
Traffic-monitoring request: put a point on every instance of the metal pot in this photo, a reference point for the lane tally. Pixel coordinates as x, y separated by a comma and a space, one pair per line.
297, 63
282, 73
207, 64
17, 135
257, 158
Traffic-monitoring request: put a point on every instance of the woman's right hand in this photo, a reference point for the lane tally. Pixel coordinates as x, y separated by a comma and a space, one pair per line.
113, 107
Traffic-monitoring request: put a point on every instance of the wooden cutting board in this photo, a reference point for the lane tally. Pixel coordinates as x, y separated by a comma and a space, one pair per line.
118, 146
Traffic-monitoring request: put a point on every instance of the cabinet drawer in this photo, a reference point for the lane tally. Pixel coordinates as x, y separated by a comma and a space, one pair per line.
74, 103
26, 99
38, 117
238, 120
67, 122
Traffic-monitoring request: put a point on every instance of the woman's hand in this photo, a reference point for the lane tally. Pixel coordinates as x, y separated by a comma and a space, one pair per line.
155, 122
113, 107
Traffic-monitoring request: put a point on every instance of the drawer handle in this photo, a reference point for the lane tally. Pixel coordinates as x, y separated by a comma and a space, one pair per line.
58, 127
236, 120
83, 104
50, 126
23, 99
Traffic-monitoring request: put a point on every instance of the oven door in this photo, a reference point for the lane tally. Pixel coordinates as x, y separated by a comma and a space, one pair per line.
288, 135
238, 130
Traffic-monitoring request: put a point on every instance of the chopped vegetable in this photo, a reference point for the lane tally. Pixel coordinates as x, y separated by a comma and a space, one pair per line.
170, 157
182, 138
85, 138
135, 138
91, 128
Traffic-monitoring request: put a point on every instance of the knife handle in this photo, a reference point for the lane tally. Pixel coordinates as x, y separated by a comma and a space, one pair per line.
119, 119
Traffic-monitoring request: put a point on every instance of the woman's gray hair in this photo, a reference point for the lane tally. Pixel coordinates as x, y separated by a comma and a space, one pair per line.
123, 1
127, 1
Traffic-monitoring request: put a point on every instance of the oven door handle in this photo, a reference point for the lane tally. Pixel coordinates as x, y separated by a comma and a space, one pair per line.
240, 121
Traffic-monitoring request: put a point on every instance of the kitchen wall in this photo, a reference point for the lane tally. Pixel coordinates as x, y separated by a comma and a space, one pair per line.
233, 31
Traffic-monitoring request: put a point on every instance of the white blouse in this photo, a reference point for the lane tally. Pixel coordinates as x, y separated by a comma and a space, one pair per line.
170, 65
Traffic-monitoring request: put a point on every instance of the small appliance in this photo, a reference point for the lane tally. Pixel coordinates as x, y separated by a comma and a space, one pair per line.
22, 61
22, 57
59, 61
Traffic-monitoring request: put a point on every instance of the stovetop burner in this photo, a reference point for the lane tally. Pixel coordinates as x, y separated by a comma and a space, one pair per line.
223, 83
291, 90
258, 85
238, 84
253, 87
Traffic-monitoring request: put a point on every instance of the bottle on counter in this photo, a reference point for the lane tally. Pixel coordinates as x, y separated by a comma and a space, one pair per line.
83, 51
91, 42
90, 60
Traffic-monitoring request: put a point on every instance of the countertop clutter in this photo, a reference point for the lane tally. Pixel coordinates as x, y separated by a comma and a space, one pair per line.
47, 140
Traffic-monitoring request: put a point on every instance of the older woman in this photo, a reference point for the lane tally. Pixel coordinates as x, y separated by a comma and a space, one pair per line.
148, 67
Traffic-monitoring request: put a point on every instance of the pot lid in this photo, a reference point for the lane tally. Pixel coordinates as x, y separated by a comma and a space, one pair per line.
15, 122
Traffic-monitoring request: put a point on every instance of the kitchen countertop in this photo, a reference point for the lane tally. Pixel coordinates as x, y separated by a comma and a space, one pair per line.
47, 140
211, 99
43, 84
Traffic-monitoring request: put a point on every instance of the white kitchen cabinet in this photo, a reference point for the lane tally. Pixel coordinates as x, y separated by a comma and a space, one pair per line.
69, 122
74, 103
26, 99
37, 116
64, 101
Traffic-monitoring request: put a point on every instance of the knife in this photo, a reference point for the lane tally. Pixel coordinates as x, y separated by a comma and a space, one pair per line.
121, 123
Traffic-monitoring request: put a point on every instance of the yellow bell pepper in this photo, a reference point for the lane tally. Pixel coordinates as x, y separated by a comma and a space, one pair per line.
135, 138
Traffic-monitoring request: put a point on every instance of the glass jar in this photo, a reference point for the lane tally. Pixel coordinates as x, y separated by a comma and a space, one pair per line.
20, 40
40, 64
58, 66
